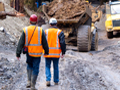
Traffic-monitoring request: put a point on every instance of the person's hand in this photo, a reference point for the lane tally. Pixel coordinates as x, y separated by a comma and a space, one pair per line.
46, 53
18, 58
62, 56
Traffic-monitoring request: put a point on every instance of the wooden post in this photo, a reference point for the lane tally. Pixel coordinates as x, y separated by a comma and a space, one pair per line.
17, 5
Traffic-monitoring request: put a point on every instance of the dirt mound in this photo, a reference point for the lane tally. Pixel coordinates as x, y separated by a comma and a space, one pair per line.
101, 72
13, 28
41, 21
67, 9
80, 74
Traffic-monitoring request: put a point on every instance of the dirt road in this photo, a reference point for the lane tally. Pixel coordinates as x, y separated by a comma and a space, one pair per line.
78, 71
94, 70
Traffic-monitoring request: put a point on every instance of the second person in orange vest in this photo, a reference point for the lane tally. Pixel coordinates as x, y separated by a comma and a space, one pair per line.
56, 43
33, 37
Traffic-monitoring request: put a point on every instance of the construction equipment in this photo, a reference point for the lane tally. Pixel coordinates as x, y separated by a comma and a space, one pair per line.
112, 22
76, 26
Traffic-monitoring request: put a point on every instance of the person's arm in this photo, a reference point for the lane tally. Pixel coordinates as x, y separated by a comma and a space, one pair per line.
44, 43
62, 42
21, 44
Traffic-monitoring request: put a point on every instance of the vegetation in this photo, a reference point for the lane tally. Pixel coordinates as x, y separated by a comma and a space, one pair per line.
31, 4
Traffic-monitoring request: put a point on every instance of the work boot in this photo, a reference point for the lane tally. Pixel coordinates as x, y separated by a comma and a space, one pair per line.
33, 82
29, 73
48, 83
55, 83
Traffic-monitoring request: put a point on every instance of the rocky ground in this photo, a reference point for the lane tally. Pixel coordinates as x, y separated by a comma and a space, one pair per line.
94, 70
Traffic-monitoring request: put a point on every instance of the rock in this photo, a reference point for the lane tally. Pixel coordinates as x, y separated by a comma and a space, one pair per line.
12, 40
1, 70
119, 42
2, 29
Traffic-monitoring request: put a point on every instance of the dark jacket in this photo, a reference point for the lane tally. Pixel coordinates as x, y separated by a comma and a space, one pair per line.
62, 42
21, 44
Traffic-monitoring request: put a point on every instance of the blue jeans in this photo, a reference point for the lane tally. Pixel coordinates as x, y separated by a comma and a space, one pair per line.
56, 69
33, 64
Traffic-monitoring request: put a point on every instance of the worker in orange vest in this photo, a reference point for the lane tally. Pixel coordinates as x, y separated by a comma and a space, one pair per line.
56, 43
33, 40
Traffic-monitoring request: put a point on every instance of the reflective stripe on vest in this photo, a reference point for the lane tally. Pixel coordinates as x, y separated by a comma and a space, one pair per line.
56, 41
54, 54
35, 53
35, 49
29, 41
54, 51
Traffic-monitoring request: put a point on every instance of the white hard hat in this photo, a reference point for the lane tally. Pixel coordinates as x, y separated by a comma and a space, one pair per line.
52, 21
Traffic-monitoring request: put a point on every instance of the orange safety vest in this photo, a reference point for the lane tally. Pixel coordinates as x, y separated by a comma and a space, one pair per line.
35, 47
53, 42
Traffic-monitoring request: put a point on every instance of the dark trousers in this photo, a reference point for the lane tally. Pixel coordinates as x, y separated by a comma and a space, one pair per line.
33, 64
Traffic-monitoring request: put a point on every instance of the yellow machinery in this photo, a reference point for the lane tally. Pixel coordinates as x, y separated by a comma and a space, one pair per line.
78, 30
112, 22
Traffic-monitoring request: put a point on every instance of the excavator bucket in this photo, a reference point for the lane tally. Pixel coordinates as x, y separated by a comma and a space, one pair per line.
69, 21
2, 8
